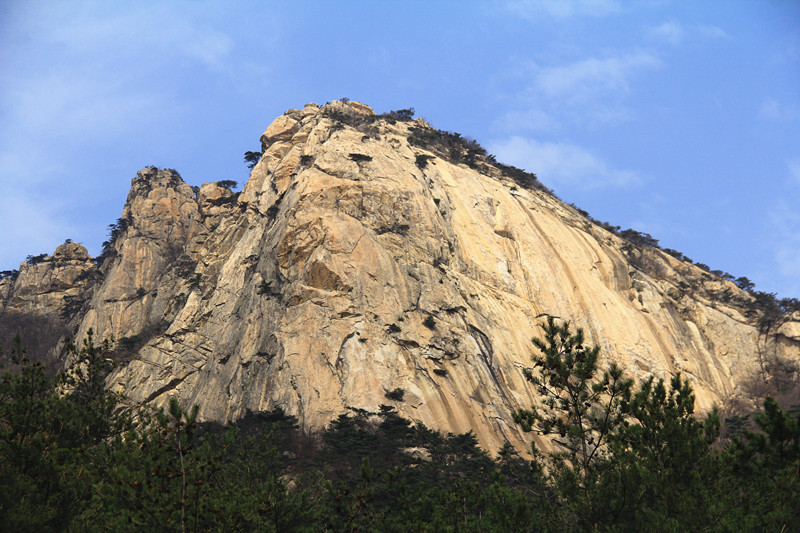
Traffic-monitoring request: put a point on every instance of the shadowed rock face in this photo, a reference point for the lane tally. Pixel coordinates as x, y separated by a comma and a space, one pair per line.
344, 271
41, 302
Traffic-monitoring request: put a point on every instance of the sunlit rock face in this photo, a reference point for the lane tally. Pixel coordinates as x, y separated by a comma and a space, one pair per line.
47, 284
350, 267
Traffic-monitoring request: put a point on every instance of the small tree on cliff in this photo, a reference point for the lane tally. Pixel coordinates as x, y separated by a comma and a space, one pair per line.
252, 158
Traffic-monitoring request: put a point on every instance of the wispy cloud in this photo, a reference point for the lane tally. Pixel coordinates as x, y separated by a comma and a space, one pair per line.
33, 224
772, 109
785, 231
714, 32
674, 33
169, 29
527, 120
560, 9
562, 164
590, 92
671, 32
89, 76
794, 171
593, 77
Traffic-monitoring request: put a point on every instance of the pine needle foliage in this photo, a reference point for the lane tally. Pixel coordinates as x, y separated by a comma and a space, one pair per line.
580, 407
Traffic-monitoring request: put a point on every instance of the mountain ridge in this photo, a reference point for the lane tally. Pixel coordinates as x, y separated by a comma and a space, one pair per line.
369, 254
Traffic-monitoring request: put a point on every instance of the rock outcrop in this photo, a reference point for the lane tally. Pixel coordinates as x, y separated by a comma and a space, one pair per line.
357, 268
52, 285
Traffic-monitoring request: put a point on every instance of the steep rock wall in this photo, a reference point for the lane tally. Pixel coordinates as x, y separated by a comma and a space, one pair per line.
346, 269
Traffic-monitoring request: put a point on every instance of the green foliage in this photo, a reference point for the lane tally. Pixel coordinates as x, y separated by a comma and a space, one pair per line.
229, 200
638, 238
229, 184
126, 347
449, 145
358, 158
252, 158
527, 180
10, 274
375, 484
662, 472
32, 492
194, 281
579, 407
157, 477
71, 460
266, 287
366, 123
396, 395
429, 322
50, 429
763, 491
421, 160
401, 115
677, 255
745, 284
35, 259
71, 307
115, 231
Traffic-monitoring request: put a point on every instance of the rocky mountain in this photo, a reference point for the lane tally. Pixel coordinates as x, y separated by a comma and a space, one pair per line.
371, 259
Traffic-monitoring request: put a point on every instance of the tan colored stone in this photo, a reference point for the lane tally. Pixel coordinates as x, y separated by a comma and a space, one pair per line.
281, 129
71, 251
56, 286
312, 293
791, 330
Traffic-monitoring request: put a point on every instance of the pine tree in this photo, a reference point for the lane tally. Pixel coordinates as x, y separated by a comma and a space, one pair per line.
579, 407
764, 494
662, 472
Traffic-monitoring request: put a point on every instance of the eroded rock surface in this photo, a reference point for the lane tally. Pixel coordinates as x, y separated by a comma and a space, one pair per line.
346, 270
55, 285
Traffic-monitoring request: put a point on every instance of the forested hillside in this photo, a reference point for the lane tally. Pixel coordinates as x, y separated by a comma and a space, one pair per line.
625, 457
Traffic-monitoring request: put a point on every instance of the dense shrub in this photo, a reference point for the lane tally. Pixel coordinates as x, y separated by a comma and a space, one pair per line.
359, 158
527, 180
10, 274
35, 259
421, 160
252, 158
115, 231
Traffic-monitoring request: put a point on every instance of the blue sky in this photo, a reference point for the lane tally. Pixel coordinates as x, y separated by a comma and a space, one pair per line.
679, 119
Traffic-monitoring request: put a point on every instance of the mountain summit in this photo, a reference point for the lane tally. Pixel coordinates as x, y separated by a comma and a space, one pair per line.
371, 259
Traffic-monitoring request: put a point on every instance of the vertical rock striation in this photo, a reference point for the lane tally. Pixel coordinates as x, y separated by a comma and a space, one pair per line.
355, 263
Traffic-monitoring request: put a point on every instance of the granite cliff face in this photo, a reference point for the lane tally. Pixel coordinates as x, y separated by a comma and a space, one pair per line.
355, 263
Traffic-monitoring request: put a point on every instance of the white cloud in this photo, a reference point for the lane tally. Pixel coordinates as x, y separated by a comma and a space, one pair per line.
210, 47
794, 170
527, 120
560, 9
590, 93
162, 31
772, 109
83, 77
562, 164
592, 77
672, 32
31, 224
785, 231
714, 32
